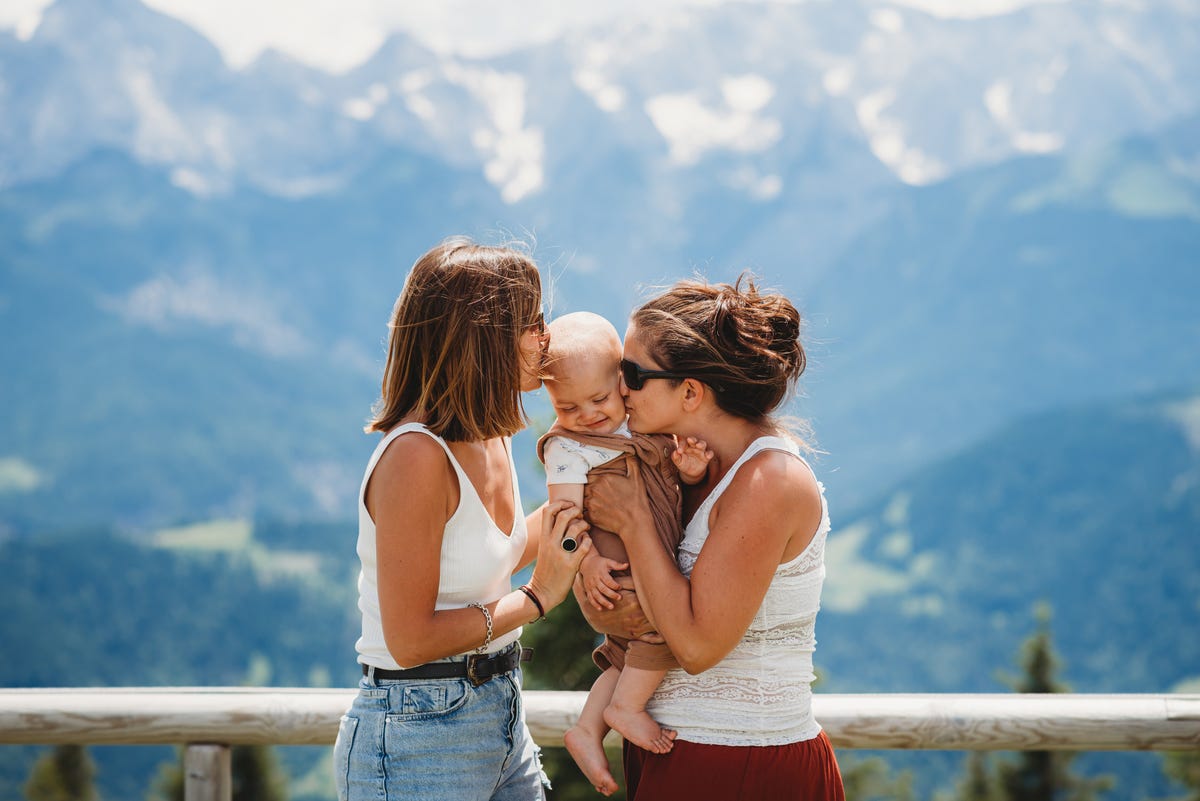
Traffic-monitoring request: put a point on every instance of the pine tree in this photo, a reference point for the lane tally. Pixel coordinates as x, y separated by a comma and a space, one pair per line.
65, 773
1044, 775
870, 780
167, 784
1184, 768
254, 772
978, 784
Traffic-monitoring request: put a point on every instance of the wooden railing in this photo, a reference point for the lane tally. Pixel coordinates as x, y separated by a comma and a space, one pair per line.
207, 720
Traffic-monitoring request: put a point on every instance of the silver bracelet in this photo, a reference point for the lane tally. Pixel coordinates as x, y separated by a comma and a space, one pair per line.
488, 617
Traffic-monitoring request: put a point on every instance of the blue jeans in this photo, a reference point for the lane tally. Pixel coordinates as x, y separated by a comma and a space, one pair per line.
438, 740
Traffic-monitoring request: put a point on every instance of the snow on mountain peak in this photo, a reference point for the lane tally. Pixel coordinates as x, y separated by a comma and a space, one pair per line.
747, 93
590, 76
925, 95
998, 100
512, 152
888, 20
975, 9
693, 128
198, 299
363, 108
27, 25
886, 136
160, 134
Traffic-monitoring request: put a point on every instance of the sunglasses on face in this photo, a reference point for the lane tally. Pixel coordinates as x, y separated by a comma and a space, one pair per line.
635, 377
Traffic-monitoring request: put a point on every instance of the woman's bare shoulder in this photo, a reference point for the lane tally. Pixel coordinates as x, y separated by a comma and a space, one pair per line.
788, 472
413, 462
778, 485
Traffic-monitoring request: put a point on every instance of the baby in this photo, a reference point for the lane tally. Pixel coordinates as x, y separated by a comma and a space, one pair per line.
589, 437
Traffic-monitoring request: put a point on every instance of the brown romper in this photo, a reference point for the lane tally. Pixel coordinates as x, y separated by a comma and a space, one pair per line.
653, 454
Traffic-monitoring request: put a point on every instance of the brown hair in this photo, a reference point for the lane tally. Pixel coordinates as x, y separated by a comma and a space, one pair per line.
743, 344
454, 343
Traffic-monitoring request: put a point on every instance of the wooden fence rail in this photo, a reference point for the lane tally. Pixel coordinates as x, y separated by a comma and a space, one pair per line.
209, 719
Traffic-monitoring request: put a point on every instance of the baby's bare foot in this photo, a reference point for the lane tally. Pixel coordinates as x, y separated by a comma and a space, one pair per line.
588, 752
636, 726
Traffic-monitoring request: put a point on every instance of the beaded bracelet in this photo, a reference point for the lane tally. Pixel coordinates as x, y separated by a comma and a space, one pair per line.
541, 609
488, 617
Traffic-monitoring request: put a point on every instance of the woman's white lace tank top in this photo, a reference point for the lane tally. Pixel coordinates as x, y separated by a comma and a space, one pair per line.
477, 558
760, 693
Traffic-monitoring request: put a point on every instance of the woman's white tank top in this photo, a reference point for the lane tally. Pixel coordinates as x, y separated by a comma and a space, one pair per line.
477, 559
760, 693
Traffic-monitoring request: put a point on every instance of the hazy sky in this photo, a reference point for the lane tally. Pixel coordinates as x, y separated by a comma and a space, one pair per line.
339, 34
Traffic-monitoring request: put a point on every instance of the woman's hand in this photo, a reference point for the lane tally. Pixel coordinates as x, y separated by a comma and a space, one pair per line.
619, 503
625, 619
555, 569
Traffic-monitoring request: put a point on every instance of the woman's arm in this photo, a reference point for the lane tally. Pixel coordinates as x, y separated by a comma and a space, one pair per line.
533, 525
411, 494
771, 506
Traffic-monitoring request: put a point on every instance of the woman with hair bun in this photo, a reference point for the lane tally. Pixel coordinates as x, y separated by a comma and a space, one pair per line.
738, 610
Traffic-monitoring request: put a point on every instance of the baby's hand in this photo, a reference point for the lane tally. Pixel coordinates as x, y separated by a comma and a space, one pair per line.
691, 458
598, 583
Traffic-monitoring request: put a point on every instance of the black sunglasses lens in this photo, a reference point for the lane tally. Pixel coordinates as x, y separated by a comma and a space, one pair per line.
631, 373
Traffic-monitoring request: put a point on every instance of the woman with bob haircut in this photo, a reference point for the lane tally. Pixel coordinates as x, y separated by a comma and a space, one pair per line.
439, 714
738, 608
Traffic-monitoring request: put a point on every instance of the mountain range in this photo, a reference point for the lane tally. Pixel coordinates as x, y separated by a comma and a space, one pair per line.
198, 262
928, 96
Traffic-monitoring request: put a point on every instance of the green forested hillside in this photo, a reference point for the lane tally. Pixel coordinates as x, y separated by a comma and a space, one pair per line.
1094, 510
213, 605
95, 609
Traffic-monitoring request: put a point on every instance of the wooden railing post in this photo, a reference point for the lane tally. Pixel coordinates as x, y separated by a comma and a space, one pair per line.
206, 771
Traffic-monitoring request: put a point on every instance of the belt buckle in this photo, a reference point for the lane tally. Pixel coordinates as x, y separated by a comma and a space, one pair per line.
473, 661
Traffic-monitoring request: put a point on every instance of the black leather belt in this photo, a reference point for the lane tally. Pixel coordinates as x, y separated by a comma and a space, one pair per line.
478, 668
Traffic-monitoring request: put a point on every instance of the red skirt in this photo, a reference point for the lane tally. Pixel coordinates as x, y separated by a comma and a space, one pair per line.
804, 771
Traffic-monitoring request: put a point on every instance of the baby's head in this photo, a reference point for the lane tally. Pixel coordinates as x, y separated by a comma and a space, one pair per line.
583, 373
